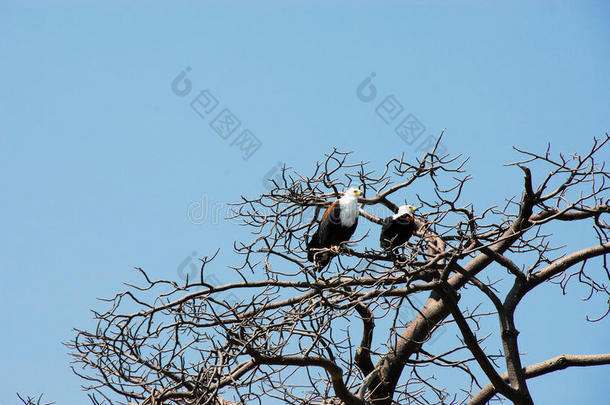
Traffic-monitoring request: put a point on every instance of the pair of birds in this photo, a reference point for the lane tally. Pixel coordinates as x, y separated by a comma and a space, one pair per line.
339, 223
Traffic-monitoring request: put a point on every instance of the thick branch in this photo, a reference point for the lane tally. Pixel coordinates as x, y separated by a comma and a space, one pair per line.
548, 366
335, 372
565, 263
473, 345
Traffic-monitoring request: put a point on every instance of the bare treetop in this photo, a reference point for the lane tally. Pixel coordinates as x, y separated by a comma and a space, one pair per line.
354, 331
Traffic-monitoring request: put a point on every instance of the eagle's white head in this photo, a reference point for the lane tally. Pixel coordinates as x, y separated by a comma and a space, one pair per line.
351, 194
404, 209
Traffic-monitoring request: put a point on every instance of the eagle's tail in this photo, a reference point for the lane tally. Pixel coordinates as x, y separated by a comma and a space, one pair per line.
316, 252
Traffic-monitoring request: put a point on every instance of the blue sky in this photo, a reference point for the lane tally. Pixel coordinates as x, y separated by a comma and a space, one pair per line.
100, 160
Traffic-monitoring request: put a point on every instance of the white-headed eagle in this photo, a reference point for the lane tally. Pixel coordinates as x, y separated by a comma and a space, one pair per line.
398, 228
337, 225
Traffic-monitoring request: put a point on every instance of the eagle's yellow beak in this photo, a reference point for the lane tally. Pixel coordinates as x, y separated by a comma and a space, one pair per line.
357, 192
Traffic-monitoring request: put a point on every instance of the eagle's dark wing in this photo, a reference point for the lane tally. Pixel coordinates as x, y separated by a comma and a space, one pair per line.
386, 232
395, 232
320, 239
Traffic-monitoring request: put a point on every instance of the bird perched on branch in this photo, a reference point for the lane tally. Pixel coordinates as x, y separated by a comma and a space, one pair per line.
336, 226
398, 228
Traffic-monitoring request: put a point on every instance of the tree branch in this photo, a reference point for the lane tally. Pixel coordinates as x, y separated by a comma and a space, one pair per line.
473, 344
565, 263
557, 363
335, 372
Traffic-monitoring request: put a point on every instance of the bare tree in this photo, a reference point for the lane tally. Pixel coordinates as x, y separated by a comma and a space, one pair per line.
290, 331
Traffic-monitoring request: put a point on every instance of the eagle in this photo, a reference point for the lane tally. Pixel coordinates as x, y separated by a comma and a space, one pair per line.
337, 225
398, 228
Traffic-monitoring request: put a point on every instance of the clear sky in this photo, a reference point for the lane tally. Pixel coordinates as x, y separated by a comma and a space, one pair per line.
105, 166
